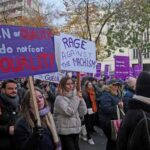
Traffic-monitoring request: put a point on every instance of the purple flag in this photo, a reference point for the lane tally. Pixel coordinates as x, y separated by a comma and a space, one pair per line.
131, 72
107, 71
98, 71
137, 70
26, 51
121, 67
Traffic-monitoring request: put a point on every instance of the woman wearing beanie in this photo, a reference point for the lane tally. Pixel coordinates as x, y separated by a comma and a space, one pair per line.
135, 129
30, 136
109, 101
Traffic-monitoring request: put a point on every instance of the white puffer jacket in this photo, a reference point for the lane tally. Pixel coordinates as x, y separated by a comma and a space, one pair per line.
67, 113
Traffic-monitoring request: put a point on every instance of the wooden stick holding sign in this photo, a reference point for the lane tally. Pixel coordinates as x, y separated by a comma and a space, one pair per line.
78, 82
49, 120
32, 92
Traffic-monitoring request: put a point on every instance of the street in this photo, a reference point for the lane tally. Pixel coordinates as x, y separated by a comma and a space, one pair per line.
99, 139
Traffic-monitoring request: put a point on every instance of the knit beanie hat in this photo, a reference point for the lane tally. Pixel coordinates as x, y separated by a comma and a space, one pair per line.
143, 84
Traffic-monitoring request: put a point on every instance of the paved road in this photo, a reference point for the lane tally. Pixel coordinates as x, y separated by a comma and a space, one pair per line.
99, 139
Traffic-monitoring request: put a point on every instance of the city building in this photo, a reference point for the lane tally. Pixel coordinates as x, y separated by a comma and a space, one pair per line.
133, 57
13, 9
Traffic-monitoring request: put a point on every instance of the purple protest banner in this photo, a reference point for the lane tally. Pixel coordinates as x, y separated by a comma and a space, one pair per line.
26, 51
122, 67
107, 71
131, 72
137, 70
98, 71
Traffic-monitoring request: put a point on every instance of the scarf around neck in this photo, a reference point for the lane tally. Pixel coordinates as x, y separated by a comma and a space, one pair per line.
44, 111
92, 96
10, 101
69, 94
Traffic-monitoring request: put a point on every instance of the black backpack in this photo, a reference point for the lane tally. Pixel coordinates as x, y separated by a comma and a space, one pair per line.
140, 138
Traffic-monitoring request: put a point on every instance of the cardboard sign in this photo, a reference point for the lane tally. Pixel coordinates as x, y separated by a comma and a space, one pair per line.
77, 54
51, 77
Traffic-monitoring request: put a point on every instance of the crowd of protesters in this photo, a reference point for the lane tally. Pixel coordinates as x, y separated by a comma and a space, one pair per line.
74, 112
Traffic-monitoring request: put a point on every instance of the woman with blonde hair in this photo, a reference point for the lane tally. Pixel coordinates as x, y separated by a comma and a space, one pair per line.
68, 108
30, 136
108, 110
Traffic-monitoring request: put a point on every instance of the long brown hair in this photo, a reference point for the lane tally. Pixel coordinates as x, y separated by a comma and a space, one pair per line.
46, 121
63, 82
25, 107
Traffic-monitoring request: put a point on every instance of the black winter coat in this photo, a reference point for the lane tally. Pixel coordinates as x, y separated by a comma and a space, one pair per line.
24, 139
129, 123
8, 117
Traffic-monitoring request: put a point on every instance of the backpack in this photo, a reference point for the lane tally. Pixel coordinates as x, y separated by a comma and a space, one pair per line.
140, 138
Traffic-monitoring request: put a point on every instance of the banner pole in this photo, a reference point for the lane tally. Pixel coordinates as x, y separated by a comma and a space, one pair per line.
78, 82
32, 92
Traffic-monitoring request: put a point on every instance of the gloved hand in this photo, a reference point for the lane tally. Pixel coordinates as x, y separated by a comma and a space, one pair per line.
58, 146
38, 131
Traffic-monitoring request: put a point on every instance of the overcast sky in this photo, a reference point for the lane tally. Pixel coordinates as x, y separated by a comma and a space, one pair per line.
58, 4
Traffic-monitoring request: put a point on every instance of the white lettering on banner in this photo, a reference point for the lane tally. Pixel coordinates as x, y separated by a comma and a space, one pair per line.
5, 33
4, 49
30, 49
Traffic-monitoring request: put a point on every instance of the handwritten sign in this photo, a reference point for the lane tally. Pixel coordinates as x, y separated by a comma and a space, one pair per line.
26, 51
77, 54
122, 67
51, 77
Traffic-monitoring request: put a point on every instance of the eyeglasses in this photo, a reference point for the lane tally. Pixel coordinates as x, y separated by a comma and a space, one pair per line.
39, 97
69, 83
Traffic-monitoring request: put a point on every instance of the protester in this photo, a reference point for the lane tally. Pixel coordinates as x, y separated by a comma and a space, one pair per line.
68, 108
135, 129
129, 91
30, 136
108, 110
9, 107
22, 89
89, 97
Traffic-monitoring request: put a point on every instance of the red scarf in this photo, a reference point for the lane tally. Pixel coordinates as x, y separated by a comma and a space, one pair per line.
91, 94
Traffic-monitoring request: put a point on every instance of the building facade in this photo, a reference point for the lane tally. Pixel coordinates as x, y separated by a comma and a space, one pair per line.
133, 56
10, 9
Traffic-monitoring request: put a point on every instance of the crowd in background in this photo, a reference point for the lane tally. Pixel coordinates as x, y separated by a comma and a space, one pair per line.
75, 113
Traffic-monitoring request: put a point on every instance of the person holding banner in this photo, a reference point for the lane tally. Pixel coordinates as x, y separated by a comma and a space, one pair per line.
68, 108
30, 136
9, 108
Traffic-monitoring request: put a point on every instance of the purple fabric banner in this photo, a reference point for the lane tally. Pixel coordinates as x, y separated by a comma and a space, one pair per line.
107, 71
137, 70
131, 73
26, 51
98, 71
122, 67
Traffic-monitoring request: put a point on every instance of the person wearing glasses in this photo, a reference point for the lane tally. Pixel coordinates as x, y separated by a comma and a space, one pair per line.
28, 135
